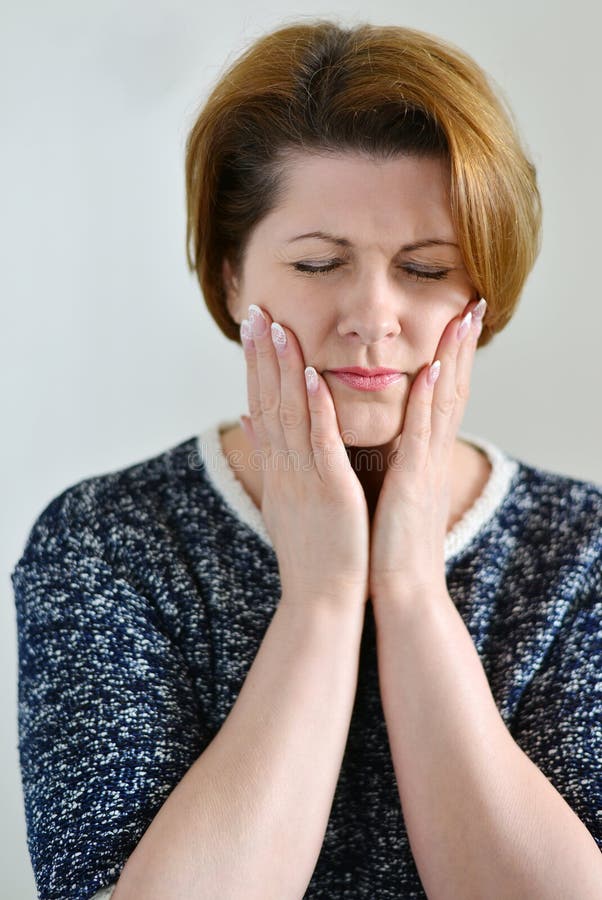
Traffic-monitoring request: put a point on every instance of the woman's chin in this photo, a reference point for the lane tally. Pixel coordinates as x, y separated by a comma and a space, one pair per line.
371, 431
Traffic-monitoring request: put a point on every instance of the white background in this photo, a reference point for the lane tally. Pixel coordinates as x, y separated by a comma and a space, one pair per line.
108, 354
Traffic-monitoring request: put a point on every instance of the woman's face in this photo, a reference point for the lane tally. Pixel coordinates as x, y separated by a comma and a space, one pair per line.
367, 304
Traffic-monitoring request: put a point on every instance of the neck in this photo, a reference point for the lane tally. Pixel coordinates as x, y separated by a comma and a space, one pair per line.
370, 466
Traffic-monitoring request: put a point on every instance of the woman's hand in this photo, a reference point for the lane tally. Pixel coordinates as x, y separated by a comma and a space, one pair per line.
410, 520
313, 503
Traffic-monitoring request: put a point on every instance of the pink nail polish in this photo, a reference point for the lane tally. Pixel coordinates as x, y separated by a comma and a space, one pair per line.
246, 336
464, 325
278, 337
433, 373
258, 320
479, 310
311, 379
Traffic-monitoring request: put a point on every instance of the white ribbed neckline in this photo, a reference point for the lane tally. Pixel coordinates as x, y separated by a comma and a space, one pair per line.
227, 484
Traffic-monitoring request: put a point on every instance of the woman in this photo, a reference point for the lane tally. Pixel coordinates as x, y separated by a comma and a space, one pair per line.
342, 651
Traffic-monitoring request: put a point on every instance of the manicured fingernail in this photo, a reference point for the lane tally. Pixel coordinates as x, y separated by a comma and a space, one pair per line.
464, 325
258, 321
278, 337
433, 373
479, 310
311, 379
245, 335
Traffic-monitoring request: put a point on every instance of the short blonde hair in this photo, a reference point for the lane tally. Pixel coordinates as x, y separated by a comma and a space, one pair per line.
377, 90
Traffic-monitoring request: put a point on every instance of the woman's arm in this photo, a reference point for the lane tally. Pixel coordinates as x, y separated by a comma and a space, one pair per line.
482, 818
248, 818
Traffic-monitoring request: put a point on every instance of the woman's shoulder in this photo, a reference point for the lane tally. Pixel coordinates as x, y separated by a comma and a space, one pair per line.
529, 482
91, 512
571, 497
556, 518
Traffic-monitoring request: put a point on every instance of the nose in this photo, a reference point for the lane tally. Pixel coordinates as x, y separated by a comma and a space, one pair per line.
369, 310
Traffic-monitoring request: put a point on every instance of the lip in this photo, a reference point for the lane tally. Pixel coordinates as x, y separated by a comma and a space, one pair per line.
367, 373
367, 383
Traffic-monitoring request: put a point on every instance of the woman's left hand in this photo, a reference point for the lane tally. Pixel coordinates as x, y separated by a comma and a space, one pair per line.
410, 521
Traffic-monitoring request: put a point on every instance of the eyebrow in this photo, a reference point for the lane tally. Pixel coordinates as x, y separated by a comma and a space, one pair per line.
343, 242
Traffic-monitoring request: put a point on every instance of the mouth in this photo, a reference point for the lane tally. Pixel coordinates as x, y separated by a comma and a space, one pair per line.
361, 382
367, 373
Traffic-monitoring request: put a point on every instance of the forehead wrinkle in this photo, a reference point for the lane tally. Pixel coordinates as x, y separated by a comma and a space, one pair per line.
339, 240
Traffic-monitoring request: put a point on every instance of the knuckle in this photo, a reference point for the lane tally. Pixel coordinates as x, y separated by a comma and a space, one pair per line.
254, 408
263, 348
445, 405
251, 363
422, 433
321, 441
398, 458
463, 391
290, 416
270, 406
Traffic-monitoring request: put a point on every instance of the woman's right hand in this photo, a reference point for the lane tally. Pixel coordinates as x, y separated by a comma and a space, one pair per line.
313, 503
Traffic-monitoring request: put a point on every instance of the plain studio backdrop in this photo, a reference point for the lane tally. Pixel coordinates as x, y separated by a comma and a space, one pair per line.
108, 354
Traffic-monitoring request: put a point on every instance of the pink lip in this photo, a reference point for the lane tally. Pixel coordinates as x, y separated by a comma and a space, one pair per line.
367, 383
359, 370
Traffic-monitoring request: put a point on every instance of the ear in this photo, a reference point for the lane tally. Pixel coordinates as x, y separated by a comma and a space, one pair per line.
231, 289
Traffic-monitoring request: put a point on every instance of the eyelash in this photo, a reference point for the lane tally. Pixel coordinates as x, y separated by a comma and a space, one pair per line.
414, 273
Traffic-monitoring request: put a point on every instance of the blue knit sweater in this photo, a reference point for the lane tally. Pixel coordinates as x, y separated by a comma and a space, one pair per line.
142, 597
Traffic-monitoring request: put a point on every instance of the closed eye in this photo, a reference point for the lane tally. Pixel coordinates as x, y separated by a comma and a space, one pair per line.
418, 274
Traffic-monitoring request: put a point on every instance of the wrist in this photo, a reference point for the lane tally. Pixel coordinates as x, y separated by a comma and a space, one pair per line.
401, 597
338, 603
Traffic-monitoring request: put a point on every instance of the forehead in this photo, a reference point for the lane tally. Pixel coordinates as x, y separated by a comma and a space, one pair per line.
350, 190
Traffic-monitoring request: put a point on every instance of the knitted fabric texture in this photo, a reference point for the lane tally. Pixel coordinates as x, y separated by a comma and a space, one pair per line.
142, 597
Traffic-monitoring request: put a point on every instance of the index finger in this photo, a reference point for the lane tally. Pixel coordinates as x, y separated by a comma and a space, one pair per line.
463, 370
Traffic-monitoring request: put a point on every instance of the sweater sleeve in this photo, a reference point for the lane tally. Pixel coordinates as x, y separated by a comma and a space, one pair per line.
559, 723
107, 714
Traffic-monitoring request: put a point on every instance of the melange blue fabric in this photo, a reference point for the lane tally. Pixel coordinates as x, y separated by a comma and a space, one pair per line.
142, 598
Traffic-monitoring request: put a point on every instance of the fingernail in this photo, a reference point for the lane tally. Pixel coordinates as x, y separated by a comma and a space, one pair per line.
245, 335
479, 310
258, 321
433, 373
278, 337
464, 325
311, 379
